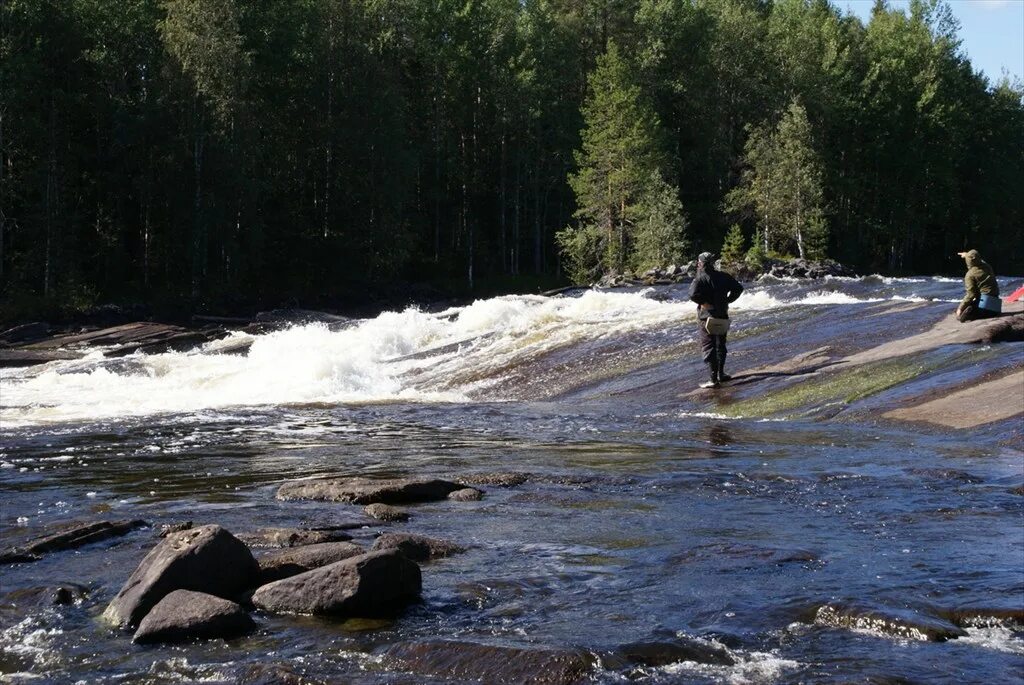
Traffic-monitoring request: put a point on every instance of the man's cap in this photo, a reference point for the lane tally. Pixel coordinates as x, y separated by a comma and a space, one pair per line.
706, 257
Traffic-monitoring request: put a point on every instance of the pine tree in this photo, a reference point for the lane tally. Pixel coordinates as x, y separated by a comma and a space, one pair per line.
620, 193
733, 250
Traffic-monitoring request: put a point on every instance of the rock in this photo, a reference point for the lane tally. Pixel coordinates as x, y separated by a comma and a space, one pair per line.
369, 585
1006, 329
61, 594
506, 480
168, 528
985, 617
889, 622
1019, 490
10, 359
385, 512
186, 615
271, 674
292, 537
367, 490
416, 547
466, 495
26, 332
662, 653
469, 661
292, 562
70, 536
205, 559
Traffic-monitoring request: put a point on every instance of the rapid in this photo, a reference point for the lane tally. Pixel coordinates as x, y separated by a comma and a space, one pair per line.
649, 511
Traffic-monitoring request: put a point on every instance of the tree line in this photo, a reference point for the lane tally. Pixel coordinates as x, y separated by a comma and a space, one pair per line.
206, 151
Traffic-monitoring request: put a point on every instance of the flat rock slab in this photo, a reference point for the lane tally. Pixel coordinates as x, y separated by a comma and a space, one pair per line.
368, 491
975, 405
292, 562
292, 537
493, 664
11, 359
367, 586
895, 623
502, 479
186, 615
663, 653
417, 547
982, 617
206, 559
69, 536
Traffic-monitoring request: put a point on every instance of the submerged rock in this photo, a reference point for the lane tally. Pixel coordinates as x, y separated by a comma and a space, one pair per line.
505, 480
663, 653
493, 664
205, 559
272, 674
417, 547
980, 617
61, 594
895, 623
386, 512
186, 615
368, 491
466, 495
69, 536
292, 562
292, 537
369, 585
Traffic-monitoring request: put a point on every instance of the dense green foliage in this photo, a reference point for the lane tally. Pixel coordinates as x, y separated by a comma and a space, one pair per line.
219, 150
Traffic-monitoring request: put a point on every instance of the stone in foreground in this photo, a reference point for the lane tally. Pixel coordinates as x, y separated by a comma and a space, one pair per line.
895, 623
368, 490
493, 664
186, 615
367, 586
292, 562
417, 547
292, 537
205, 559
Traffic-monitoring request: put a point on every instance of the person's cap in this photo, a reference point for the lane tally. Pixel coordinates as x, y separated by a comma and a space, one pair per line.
706, 257
970, 254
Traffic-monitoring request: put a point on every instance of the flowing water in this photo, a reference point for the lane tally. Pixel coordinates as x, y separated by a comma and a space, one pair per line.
650, 511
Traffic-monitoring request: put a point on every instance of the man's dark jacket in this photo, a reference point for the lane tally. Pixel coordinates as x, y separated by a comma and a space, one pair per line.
715, 287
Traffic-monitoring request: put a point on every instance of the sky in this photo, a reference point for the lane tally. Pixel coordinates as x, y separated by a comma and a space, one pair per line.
992, 32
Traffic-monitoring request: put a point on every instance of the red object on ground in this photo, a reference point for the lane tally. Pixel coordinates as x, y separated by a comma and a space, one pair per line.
1016, 294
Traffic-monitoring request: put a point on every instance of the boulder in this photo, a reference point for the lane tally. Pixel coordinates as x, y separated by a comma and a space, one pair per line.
416, 547
896, 623
466, 495
292, 537
291, 562
26, 332
369, 585
186, 615
385, 512
205, 559
61, 594
368, 490
469, 661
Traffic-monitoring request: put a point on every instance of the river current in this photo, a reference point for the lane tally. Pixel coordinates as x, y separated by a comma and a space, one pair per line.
649, 510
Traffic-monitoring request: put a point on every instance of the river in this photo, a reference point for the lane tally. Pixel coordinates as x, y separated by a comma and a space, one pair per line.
650, 510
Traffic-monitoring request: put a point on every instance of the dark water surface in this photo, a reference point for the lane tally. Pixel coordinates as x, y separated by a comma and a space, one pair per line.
641, 520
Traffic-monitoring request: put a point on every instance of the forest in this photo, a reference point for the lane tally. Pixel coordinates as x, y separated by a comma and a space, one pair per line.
214, 154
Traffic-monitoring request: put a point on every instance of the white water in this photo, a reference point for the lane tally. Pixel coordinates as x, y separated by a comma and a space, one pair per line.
452, 356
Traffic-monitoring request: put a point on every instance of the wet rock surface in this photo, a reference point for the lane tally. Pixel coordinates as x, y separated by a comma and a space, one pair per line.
503, 479
272, 674
69, 536
206, 559
291, 562
386, 512
61, 594
466, 495
379, 583
292, 537
493, 664
368, 491
186, 615
417, 547
665, 652
969, 617
894, 623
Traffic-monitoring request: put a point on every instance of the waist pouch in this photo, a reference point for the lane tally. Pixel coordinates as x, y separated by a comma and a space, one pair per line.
716, 326
991, 303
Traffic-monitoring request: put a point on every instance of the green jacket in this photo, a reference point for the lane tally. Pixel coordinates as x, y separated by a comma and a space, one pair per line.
979, 279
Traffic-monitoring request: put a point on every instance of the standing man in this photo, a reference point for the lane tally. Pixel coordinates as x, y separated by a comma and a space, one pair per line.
713, 290
981, 297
